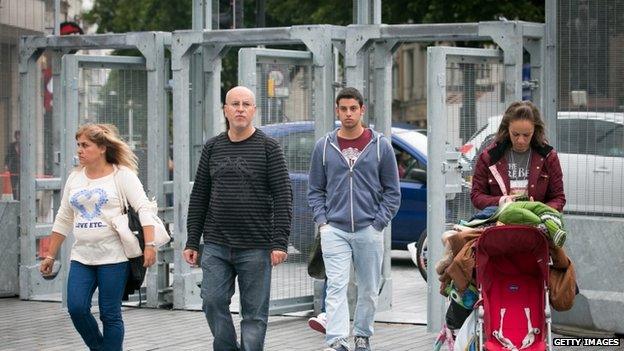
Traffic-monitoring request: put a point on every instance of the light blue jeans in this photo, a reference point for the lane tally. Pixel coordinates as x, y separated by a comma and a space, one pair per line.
366, 248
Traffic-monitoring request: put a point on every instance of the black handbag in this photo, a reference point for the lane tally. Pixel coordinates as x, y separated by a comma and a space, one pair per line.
316, 266
136, 274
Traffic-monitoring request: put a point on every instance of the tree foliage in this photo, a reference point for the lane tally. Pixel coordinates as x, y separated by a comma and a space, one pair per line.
120, 16
293, 12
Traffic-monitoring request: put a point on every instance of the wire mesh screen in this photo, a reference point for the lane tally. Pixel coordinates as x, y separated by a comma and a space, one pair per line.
590, 124
284, 109
118, 97
474, 104
17, 18
8, 116
409, 72
31, 15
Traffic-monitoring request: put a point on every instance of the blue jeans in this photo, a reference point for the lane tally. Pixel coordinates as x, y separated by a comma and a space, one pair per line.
365, 247
220, 265
110, 280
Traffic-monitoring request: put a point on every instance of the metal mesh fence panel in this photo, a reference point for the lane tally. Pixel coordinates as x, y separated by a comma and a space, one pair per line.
590, 124
17, 18
118, 97
8, 114
474, 104
409, 84
284, 109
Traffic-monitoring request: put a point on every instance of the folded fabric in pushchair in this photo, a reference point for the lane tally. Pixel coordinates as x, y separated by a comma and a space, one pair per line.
526, 213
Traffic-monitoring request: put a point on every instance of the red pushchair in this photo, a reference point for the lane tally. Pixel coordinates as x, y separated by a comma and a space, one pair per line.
512, 276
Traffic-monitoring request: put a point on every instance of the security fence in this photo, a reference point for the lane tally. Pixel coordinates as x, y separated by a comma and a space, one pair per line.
590, 126
294, 96
295, 92
282, 81
93, 89
590, 144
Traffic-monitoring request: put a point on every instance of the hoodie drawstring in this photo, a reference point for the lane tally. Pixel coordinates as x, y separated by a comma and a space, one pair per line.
324, 149
378, 151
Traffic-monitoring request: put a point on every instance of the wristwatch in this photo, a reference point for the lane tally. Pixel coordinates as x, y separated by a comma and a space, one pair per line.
151, 243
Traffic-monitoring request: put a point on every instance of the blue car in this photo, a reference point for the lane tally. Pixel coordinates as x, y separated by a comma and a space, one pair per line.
410, 148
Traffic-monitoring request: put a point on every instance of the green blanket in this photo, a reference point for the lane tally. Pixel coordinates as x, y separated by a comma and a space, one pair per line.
529, 213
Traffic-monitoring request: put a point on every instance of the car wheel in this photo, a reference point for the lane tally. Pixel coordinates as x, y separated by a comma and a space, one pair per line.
421, 254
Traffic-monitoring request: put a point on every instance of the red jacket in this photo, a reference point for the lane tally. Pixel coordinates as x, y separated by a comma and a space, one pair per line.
491, 179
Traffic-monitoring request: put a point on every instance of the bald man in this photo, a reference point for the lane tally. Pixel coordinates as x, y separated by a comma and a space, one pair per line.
241, 203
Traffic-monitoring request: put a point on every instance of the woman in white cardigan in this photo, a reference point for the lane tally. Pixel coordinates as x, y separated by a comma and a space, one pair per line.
90, 199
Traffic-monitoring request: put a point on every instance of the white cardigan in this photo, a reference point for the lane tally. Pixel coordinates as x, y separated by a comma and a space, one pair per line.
87, 207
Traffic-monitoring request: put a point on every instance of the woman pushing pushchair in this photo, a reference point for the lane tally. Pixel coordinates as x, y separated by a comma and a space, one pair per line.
517, 182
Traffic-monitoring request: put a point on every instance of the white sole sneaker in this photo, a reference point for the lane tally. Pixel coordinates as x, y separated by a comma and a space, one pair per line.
411, 247
317, 325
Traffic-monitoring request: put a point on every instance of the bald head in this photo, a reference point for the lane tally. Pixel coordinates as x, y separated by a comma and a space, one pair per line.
242, 91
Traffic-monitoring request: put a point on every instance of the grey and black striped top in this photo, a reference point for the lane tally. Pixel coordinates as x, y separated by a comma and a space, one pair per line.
242, 195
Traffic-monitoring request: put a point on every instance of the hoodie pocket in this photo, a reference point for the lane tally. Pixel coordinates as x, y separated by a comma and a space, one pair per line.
338, 207
366, 205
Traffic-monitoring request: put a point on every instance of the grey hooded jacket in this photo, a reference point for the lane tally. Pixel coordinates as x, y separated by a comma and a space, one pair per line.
352, 198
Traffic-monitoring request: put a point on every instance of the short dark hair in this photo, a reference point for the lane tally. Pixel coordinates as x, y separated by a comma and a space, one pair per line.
350, 93
520, 110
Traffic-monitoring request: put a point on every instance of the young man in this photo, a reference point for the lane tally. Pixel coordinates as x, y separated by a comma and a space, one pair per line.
242, 203
354, 192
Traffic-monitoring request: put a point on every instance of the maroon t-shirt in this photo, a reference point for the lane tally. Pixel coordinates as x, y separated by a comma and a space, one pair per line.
352, 148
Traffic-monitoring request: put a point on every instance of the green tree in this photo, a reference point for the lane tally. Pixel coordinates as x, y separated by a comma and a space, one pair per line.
119, 16
293, 12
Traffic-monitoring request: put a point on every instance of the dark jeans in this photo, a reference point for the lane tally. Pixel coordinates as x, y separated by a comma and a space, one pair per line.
15, 185
221, 265
110, 280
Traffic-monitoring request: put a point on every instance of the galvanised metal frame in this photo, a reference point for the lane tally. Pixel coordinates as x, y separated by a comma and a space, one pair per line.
152, 46
367, 11
248, 58
551, 71
319, 39
444, 172
383, 40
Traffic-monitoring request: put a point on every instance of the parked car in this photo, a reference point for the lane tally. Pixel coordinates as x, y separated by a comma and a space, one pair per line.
591, 152
410, 146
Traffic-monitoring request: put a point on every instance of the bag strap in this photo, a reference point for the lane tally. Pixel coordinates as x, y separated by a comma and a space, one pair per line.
123, 201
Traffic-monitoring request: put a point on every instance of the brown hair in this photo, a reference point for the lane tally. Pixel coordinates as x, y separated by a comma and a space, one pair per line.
107, 135
350, 93
520, 110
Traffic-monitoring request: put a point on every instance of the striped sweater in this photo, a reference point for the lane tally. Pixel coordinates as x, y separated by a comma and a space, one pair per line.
242, 196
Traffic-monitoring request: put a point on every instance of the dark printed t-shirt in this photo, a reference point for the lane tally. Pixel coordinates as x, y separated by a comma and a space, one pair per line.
352, 148
518, 171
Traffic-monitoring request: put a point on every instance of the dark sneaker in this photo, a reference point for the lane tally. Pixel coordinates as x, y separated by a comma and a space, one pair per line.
337, 346
361, 343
